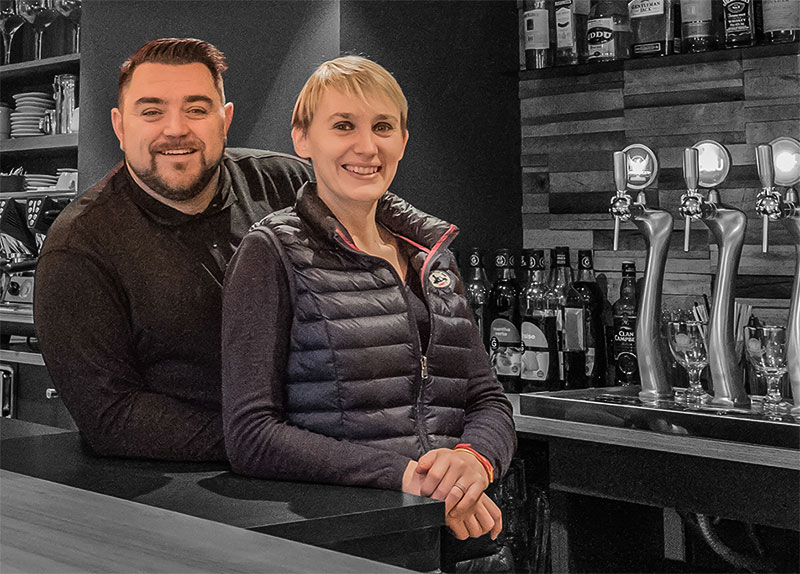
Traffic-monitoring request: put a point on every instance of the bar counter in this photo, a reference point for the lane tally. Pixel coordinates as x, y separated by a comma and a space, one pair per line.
609, 484
386, 526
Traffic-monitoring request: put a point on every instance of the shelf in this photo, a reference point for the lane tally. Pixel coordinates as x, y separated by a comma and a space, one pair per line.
58, 142
40, 67
663, 61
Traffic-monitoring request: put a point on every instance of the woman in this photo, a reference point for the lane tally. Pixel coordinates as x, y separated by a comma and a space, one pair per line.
349, 352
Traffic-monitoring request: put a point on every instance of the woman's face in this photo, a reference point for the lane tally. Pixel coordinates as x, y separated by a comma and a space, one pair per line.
354, 144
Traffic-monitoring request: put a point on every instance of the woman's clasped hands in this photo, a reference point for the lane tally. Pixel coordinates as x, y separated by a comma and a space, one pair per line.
459, 479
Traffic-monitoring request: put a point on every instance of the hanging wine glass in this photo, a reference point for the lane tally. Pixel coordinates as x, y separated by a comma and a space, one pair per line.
10, 22
687, 342
71, 10
766, 349
39, 14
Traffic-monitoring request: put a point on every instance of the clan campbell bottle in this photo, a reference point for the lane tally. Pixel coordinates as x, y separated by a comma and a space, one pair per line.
505, 352
477, 287
626, 363
594, 301
538, 308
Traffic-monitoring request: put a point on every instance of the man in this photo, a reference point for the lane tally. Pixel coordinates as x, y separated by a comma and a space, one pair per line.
128, 286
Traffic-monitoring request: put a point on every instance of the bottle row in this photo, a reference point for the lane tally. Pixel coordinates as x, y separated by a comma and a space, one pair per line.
566, 32
546, 333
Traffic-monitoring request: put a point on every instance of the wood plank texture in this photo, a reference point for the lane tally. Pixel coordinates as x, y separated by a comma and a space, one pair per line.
573, 119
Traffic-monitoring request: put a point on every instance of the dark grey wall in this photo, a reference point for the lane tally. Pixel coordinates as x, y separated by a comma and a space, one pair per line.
271, 48
457, 63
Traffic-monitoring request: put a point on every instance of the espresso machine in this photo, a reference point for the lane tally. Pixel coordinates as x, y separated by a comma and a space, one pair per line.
779, 165
706, 165
636, 168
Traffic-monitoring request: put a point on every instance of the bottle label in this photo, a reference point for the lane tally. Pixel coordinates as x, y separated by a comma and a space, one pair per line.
590, 352
781, 15
737, 16
625, 347
582, 7
565, 32
477, 312
536, 357
600, 37
696, 11
505, 352
537, 30
574, 326
645, 8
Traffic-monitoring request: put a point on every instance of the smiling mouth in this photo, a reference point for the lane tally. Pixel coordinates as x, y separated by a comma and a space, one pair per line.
362, 169
176, 152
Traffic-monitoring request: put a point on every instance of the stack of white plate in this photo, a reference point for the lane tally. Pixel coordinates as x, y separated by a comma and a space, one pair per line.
39, 180
30, 107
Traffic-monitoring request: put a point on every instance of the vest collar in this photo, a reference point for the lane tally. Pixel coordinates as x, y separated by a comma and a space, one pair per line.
394, 213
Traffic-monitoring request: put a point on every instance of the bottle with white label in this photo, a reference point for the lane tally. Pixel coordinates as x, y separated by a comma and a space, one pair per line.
538, 308
539, 29
608, 31
571, 17
505, 347
781, 21
697, 26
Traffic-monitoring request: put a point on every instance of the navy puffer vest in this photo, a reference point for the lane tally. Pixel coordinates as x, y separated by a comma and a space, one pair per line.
356, 369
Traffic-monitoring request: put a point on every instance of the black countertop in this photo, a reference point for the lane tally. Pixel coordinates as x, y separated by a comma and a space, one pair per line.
384, 525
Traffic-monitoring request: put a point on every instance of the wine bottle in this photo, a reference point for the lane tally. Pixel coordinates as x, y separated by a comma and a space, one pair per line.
477, 287
560, 282
594, 302
505, 350
538, 308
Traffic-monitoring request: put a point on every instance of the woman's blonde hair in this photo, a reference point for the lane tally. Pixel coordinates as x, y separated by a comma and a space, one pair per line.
353, 75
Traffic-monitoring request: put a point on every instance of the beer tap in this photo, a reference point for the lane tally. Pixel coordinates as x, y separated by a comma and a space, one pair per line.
706, 164
636, 167
779, 164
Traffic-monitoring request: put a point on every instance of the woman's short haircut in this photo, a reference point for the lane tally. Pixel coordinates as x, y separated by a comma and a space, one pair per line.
353, 75
174, 52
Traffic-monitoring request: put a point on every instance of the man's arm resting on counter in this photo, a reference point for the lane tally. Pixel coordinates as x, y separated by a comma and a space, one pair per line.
256, 323
83, 327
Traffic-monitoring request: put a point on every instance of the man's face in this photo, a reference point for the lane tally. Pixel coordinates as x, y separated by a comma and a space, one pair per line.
172, 126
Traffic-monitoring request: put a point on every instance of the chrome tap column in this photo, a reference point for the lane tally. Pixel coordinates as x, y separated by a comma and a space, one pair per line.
779, 164
636, 167
706, 164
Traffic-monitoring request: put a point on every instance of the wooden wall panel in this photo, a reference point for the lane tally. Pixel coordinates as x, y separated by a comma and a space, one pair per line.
574, 118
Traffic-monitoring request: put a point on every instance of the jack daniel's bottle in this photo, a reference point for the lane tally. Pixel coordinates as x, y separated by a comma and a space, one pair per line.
538, 308
505, 352
624, 345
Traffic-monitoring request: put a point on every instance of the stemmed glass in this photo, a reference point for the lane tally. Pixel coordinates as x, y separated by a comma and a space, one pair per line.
10, 22
71, 10
766, 349
687, 342
40, 14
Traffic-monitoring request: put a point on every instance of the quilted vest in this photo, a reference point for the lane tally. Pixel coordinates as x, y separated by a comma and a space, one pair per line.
356, 368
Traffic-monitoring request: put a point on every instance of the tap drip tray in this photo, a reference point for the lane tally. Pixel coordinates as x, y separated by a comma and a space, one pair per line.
621, 407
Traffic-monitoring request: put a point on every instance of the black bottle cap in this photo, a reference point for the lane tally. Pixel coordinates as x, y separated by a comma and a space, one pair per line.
536, 260
629, 269
559, 256
503, 259
585, 259
474, 257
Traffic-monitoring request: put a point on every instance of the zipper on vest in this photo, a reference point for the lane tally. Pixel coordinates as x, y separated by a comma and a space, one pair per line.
423, 362
422, 431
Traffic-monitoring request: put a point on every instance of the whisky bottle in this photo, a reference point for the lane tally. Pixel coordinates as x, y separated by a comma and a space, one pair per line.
652, 27
781, 21
560, 282
697, 30
539, 25
538, 308
571, 17
739, 23
608, 32
625, 360
477, 286
505, 352
594, 301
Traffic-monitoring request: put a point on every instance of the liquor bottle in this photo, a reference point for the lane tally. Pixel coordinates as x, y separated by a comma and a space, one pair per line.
739, 23
505, 352
523, 269
781, 21
560, 282
477, 287
538, 308
539, 26
594, 302
625, 359
697, 30
574, 340
571, 17
608, 31
652, 27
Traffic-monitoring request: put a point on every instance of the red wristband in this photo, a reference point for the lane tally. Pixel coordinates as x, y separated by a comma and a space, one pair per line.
487, 466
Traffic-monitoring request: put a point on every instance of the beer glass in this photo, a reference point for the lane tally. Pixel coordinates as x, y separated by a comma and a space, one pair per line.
766, 350
687, 342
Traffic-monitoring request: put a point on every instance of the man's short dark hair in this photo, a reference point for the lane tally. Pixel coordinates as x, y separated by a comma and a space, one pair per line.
174, 52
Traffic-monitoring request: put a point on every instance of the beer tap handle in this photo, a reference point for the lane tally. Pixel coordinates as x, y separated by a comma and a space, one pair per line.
766, 201
621, 202
691, 173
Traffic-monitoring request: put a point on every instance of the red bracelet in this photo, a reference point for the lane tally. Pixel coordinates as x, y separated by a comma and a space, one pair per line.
487, 466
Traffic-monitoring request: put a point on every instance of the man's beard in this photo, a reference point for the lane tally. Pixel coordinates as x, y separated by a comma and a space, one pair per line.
191, 189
